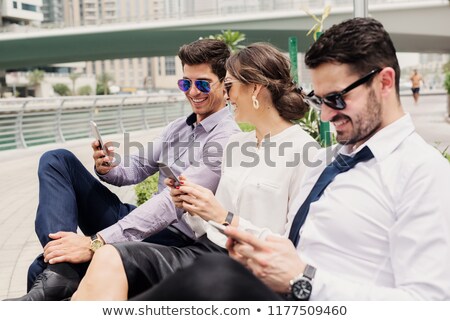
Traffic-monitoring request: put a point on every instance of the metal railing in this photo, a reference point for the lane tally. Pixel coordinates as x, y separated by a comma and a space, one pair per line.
35, 121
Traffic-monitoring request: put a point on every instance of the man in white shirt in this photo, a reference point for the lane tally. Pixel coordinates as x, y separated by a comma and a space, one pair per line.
378, 228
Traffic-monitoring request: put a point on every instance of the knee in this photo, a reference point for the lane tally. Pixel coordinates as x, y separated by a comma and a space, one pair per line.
54, 157
108, 257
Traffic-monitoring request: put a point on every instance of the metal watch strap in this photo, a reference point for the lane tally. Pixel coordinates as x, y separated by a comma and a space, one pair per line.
309, 272
228, 219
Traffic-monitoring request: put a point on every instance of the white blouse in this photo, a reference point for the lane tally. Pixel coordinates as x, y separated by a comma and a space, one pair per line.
260, 183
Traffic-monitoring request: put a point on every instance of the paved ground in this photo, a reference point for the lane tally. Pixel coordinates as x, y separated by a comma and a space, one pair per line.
18, 188
18, 202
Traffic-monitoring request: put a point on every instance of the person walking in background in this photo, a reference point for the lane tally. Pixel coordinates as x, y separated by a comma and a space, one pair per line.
261, 177
416, 80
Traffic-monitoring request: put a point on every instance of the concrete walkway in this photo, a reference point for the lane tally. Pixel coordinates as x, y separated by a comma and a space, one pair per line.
18, 203
19, 188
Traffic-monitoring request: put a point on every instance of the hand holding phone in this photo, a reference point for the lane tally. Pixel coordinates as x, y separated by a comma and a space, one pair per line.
97, 136
167, 171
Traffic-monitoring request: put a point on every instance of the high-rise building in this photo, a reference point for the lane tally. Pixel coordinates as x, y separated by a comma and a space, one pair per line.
53, 11
20, 12
129, 73
143, 72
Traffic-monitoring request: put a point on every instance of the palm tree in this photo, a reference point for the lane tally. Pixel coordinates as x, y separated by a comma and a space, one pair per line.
74, 76
317, 29
231, 38
103, 81
35, 78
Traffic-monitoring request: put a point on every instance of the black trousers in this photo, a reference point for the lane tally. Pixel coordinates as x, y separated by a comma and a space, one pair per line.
147, 264
214, 277
70, 197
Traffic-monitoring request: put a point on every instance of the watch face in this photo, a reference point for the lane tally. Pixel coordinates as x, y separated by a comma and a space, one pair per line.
96, 244
301, 289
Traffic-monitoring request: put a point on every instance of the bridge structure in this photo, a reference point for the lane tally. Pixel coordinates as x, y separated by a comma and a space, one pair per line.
415, 26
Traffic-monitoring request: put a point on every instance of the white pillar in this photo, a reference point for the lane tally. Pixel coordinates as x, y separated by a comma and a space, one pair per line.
360, 8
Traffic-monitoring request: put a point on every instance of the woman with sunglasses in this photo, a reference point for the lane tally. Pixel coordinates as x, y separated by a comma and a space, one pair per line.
261, 171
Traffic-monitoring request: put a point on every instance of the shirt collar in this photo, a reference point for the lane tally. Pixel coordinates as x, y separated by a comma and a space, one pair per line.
211, 121
385, 141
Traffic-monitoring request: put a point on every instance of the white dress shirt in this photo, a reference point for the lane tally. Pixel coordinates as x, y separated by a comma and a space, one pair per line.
260, 183
381, 231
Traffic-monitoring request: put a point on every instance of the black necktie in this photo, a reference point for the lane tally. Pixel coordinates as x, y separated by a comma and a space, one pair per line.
341, 164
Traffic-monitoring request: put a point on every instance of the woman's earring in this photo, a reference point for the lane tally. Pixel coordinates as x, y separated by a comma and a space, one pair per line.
255, 102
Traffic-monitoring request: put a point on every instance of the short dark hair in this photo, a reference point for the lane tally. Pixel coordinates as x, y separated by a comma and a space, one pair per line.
261, 63
362, 43
206, 51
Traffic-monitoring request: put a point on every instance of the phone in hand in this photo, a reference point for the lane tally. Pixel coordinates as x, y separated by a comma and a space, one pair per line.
167, 171
97, 136
219, 227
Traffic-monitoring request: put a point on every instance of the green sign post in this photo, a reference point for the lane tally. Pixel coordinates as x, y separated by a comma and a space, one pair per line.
324, 127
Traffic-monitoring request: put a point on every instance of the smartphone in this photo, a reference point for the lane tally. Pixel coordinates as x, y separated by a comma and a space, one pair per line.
218, 227
167, 171
97, 136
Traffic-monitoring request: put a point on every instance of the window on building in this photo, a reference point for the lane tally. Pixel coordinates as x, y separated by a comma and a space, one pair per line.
170, 66
15, 4
29, 7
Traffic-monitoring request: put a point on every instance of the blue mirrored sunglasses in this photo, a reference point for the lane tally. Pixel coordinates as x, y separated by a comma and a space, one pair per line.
203, 85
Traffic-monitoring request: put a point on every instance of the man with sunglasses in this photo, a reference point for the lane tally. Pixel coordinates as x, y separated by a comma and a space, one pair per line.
70, 197
374, 224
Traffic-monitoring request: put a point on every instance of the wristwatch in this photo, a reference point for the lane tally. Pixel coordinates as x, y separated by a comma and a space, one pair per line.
228, 219
301, 286
96, 243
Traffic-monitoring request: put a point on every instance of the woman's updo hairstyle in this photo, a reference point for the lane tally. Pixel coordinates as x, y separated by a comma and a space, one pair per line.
261, 63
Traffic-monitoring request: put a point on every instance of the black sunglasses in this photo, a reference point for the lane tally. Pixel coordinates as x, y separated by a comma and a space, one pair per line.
228, 84
336, 101
203, 85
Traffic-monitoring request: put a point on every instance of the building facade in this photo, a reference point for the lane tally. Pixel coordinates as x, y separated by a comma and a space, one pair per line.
22, 12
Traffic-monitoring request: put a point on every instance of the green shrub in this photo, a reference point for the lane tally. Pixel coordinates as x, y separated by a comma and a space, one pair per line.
310, 123
100, 90
447, 82
61, 89
85, 90
246, 127
145, 190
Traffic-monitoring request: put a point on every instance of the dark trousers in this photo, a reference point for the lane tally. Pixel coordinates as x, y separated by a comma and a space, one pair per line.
70, 197
214, 277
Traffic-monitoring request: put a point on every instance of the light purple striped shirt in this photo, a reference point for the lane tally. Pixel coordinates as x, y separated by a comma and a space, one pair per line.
194, 150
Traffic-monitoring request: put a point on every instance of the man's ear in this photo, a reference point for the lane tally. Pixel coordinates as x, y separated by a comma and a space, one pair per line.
387, 76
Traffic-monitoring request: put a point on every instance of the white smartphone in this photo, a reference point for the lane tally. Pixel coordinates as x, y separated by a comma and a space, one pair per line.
167, 171
218, 227
97, 136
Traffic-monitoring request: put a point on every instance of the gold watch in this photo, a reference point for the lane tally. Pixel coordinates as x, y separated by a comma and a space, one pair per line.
96, 243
